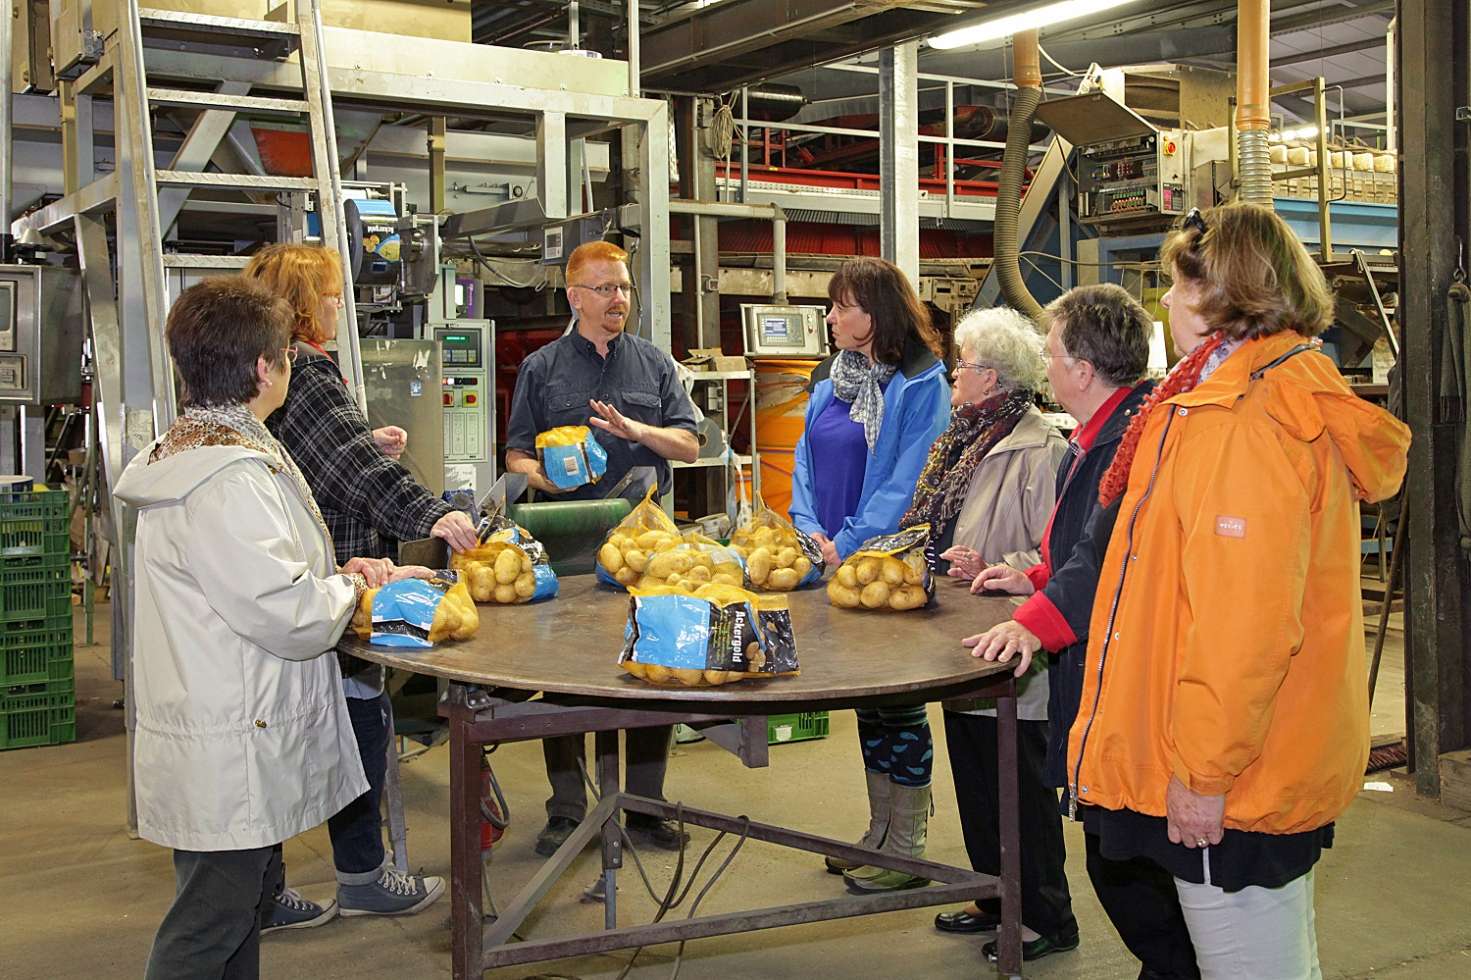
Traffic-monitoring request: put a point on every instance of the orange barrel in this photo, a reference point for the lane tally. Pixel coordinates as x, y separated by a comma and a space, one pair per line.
781, 405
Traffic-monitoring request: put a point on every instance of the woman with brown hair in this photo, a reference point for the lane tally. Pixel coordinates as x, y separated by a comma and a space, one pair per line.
367, 500
876, 407
1224, 718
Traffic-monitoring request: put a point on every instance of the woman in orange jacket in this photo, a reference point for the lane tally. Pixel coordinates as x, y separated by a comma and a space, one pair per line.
1224, 717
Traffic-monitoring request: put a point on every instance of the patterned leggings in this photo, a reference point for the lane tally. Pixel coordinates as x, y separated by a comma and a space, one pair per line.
897, 741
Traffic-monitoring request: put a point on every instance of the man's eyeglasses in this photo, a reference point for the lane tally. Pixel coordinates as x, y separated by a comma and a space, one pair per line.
607, 289
1194, 220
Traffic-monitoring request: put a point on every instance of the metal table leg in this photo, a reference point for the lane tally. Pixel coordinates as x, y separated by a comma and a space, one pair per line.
1009, 940
466, 871
606, 745
398, 828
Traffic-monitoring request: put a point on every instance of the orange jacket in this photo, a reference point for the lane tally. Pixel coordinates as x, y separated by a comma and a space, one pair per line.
1227, 645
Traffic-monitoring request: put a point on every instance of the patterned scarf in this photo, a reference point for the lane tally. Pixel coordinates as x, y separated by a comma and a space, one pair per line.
236, 425
974, 431
861, 382
1187, 373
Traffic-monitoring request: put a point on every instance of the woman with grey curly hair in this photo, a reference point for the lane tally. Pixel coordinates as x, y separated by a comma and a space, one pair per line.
987, 491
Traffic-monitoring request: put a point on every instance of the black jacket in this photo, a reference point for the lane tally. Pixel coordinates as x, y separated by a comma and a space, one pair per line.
1076, 543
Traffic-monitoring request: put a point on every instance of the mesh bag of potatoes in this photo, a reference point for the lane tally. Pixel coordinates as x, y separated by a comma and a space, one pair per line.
647, 550
717, 634
779, 558
417, 613
508, 567
888, 573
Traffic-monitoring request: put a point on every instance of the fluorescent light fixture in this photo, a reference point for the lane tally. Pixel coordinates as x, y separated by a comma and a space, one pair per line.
999, 27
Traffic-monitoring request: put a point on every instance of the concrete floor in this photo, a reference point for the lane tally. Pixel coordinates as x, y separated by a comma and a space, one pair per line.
82, 900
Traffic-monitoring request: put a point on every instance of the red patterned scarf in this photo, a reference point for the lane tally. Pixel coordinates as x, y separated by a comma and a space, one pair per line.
1182, 378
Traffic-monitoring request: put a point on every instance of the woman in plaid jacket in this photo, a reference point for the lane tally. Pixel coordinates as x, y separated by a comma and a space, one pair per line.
367, 499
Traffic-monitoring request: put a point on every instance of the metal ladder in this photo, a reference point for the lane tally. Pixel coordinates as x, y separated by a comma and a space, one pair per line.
155, 192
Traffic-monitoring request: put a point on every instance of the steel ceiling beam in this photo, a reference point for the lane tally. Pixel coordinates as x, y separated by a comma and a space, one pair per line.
1299, 57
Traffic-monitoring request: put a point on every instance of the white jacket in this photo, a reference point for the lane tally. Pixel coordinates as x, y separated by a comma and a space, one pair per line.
243, 737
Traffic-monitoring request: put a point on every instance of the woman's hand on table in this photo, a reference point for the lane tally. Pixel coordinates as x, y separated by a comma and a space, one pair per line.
391, 440
1002, 642
829, 550
1194, 820
1002, 578
375, 571
964, 563
401, 572
457, 530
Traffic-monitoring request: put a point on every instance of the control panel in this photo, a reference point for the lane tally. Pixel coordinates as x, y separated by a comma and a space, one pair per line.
1134, 179
468, 402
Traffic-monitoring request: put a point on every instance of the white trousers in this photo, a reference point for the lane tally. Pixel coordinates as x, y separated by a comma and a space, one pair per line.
1253, 934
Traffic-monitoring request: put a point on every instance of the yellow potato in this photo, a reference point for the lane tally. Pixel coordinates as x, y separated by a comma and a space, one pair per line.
469, 622
651, 539
610, 558
687, 676
803, 566
841, 595
635, 668
728, 568
446, 620
626, 576
867, 570
875, 594
674, 579
681, 561
764, 537
698, 575
891, 570
914, 569
525, 563
785, 557
758, 566
622, 542
482, 582
668, 544
661, 566
783, 579
656, 674
847, 577
507, 567
636, 559
526, 585
907, 597
725, 578
505, 594
717, 677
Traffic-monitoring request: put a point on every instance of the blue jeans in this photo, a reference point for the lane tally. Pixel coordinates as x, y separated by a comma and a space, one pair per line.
356, 830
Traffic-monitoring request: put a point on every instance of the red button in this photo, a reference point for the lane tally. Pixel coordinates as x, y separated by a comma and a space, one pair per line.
469, 398
449, 398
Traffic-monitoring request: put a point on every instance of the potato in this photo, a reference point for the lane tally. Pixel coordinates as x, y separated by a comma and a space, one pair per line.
505, 594
687, 676
725, 578
847, 577
482, 582
698, 575
764, 537
875, 594
649, 540
668, 544
626, 576
783, 579
526, 585
907, 597
717, 677
728, 568
914, 569
526, 563
841, 595
784, 557
610, 558
803, 566
621, 541
635, 668
446, 620
674, 579
661, 566
469, 622
867, 570
758, 566
681, 562
507, 567
656, 674
891, 570
636, 559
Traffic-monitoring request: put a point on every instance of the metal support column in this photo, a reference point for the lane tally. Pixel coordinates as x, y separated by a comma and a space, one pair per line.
697, 183
899, 156
1433, 63
437, 138
551, 163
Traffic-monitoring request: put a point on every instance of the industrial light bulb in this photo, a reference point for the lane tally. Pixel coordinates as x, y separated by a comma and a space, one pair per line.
999, 27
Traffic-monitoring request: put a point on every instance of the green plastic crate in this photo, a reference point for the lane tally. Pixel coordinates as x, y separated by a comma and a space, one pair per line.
43, 714
39, 592
36, 652
33, 526
796, 728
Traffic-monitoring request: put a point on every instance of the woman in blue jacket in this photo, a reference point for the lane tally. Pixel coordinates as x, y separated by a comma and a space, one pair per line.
876, 406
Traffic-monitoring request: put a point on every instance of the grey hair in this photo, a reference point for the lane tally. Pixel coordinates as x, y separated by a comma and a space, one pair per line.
1007, 342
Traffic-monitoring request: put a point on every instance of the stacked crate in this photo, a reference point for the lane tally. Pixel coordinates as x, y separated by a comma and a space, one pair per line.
37, 686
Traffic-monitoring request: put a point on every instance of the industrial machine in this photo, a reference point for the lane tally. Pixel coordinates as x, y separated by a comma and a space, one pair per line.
783, 330
41, 331
467, 359
1130, 172
403, 383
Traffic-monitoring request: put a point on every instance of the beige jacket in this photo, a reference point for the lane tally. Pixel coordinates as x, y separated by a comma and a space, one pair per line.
1004, 515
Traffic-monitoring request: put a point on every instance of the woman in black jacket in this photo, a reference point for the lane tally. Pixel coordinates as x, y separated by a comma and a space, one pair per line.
1097, 352
367, 499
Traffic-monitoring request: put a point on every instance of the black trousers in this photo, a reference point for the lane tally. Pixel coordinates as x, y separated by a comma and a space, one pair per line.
1047, 907
1143, 905
645, 759
212, 931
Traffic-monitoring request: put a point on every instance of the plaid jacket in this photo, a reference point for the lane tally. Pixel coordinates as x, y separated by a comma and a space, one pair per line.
365, 496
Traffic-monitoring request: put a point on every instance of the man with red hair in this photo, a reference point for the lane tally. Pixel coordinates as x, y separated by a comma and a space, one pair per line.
628, 391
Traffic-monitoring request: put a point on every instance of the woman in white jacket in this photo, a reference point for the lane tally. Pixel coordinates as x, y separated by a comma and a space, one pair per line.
242, 737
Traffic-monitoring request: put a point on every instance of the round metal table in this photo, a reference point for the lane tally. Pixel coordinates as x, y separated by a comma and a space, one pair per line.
565, 650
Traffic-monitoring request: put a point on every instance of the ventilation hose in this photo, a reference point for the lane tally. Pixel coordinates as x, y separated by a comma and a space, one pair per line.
1007, 260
